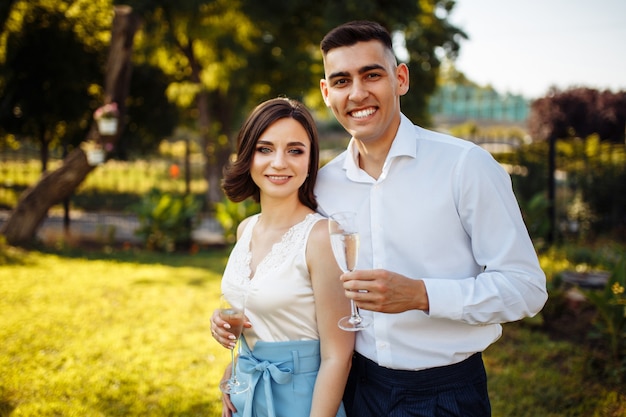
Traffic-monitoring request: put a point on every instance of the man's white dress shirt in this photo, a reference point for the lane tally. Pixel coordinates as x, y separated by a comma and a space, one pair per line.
442, 210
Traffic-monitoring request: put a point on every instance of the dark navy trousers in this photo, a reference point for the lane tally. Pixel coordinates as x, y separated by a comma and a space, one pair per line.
458, 390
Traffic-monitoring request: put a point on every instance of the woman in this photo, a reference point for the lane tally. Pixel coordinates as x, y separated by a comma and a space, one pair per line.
283, 262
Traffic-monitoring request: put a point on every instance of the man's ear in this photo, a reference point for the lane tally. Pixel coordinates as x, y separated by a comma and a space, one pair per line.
324, 91
402, 74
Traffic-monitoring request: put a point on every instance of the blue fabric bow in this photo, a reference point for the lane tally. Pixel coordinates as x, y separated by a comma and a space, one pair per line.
251, 365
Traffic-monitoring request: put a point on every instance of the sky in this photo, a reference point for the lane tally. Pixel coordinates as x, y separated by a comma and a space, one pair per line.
525, 46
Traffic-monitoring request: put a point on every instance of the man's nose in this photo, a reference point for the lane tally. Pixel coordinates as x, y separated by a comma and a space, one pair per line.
358, 92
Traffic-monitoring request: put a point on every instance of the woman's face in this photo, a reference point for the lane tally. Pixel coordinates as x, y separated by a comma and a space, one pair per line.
280, 164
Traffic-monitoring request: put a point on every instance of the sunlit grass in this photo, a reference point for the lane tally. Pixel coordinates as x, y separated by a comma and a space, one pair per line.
108, 338
126, 333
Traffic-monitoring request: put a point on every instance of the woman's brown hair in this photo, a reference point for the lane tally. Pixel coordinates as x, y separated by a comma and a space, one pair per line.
237, 183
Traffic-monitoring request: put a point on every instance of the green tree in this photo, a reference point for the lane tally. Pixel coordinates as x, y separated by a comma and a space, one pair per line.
224, 56
151, 116
202, 46
57, 185
46, 75
53, 54
227, 55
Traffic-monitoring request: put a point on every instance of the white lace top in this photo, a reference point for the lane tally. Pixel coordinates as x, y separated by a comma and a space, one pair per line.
279, 302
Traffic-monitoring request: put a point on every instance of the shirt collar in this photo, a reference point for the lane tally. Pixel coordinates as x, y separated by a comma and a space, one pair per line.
404, 144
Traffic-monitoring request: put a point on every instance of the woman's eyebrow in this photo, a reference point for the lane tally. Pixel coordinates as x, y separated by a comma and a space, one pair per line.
294, 143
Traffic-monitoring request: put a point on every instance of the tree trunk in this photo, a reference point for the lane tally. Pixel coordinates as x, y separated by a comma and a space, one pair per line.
53, 187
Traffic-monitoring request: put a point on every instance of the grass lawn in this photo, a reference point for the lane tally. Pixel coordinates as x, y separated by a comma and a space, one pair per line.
127, 334
109, 337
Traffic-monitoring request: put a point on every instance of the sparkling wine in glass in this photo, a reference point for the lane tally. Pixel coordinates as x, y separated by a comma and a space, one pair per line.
233, 313
344, 239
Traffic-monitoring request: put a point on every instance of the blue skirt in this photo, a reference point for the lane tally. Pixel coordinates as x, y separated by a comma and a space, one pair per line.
281, 377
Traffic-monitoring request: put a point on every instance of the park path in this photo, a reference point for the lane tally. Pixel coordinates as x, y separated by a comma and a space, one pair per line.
112, 227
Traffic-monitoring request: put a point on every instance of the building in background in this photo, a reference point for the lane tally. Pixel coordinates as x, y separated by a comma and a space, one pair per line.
453, 104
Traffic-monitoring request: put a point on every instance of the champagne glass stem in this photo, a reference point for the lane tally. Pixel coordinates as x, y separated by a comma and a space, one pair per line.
355, 317
233, 366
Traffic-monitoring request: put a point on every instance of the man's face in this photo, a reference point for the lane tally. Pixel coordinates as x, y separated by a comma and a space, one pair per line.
362, 86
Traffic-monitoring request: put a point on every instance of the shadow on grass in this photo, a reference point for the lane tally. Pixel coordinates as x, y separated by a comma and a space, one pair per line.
10, 255
158, 405
210, 258
6, 408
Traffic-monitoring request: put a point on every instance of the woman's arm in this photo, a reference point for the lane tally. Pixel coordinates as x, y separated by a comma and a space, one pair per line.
330, 305
220, 329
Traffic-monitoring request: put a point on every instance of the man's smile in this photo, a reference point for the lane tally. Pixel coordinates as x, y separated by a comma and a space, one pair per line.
361, 114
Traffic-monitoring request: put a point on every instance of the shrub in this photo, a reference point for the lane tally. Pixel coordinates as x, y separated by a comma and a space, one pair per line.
166, 220
230, 214
610, 304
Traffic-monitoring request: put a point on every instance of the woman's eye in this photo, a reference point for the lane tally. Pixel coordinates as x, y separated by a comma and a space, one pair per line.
296, 151
263, 149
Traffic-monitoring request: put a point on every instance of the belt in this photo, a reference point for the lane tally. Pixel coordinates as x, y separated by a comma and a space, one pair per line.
430, 377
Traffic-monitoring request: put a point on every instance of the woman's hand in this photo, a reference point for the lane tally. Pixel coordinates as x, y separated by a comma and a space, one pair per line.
220, 330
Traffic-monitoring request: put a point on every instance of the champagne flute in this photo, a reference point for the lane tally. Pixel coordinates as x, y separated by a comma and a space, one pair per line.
344, 239
233, 313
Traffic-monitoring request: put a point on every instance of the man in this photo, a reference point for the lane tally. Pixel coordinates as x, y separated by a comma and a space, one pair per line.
445, 256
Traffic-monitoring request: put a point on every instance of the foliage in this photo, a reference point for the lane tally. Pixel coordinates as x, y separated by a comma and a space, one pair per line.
46, 76
595, 319
230, 214
214, 60
591, 184
225, 56
166, 220
150, 115
534, 211
528, 171
53, 54
597, 175
579, 112
531, 162
611, 306
290, 34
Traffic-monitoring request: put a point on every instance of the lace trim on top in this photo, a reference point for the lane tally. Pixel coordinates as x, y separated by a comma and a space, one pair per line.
291, 243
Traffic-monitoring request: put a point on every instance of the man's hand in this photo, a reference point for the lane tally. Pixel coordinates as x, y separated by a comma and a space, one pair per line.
385, 291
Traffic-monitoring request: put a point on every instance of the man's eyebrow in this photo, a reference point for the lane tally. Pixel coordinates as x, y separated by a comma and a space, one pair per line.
339, 74
362, 70
372, 67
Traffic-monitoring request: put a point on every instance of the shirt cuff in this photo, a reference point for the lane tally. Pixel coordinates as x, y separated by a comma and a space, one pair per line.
445, 299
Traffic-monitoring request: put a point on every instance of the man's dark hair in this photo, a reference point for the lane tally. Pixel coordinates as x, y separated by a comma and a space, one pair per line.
350, 33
